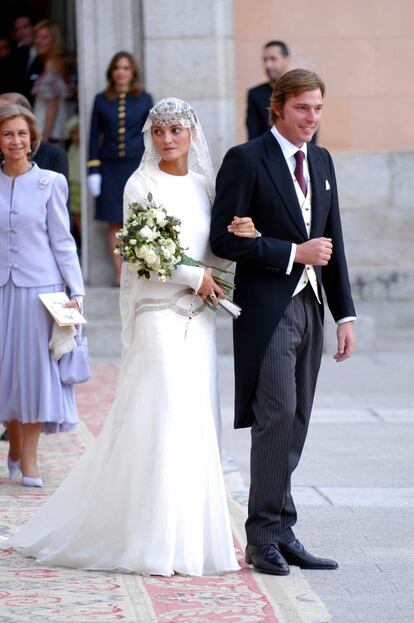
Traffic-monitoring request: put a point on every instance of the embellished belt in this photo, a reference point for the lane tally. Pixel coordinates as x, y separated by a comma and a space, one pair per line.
149, 305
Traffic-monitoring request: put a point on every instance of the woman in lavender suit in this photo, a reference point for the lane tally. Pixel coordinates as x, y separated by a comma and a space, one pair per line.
37, 255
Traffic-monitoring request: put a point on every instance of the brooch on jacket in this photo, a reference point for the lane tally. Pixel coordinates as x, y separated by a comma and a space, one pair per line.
43, 182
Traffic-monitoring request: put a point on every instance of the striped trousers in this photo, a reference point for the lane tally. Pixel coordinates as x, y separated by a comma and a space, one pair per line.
282, 406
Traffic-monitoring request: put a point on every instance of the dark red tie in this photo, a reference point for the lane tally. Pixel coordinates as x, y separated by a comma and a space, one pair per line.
299, 156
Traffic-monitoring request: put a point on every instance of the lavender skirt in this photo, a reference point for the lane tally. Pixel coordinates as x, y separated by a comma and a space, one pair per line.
30, 387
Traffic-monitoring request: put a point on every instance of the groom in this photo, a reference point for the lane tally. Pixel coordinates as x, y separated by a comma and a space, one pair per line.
287, 186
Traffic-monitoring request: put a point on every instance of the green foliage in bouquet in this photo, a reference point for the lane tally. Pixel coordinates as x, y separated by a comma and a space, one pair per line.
149, 240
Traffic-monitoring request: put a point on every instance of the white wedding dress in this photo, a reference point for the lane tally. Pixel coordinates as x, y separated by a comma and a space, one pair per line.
149, 496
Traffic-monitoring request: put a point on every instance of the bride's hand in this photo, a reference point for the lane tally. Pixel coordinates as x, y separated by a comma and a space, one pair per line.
242, 227
209, 288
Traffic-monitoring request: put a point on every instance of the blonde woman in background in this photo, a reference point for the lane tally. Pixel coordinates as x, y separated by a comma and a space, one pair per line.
50, 90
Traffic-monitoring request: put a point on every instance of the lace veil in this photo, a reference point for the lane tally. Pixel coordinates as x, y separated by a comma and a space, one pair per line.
168, 111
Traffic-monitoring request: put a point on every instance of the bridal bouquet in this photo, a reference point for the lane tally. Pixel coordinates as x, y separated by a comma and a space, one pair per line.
150, 241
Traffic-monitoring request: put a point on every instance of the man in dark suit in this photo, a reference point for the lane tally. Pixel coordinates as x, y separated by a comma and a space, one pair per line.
276, 60
287, 186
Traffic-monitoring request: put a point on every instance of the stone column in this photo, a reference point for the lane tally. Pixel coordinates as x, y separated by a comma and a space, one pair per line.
188, 48
103, 28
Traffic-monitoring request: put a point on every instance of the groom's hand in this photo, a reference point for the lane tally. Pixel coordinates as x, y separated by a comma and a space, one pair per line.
346, 341
315, 252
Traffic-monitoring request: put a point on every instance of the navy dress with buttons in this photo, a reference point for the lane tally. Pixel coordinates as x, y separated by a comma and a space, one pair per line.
115, 147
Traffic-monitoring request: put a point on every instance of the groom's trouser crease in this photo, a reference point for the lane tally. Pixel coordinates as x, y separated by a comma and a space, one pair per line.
282, 406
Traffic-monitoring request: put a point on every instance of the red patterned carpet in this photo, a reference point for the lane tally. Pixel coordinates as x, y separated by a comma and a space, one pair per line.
33, 593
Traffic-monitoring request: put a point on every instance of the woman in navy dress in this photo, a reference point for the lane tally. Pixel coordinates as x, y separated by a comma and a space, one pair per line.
116, 144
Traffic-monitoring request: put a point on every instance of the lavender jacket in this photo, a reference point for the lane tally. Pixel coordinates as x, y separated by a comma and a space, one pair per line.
36, 247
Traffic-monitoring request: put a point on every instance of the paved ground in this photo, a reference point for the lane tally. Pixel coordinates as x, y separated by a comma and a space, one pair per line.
355, 483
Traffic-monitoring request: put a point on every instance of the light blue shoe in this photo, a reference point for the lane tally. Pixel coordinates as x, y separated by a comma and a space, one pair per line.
14, 468
28, 481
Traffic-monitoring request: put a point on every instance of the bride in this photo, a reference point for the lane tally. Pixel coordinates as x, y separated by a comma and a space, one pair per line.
149, 496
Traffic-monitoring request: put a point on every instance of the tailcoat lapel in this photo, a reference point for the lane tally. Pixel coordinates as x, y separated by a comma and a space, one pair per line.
318, 190
278, 170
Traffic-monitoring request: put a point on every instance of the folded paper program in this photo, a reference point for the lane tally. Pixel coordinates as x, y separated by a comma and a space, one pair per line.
63, 316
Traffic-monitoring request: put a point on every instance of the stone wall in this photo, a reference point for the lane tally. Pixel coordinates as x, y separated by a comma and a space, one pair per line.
188, 48
364, 50
377, 195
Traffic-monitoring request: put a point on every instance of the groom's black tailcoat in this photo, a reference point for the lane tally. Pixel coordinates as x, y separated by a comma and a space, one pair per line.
254, 180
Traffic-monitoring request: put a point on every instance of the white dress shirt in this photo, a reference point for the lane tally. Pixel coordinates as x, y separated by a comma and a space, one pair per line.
305, 203
289, 150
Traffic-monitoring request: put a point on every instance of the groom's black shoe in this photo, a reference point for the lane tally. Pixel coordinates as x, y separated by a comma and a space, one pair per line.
267, 559
296, 554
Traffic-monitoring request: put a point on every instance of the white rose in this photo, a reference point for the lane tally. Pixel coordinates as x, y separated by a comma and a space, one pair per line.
151, 258
167, 253
153, 261
140, 251
159, 216
147, 233
169, 244
132, 241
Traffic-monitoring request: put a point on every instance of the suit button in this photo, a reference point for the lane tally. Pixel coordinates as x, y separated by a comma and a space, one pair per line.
15, 249
121, 131
121, 154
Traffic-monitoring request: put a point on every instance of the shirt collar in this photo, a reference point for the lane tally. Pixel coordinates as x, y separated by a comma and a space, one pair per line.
288, 149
